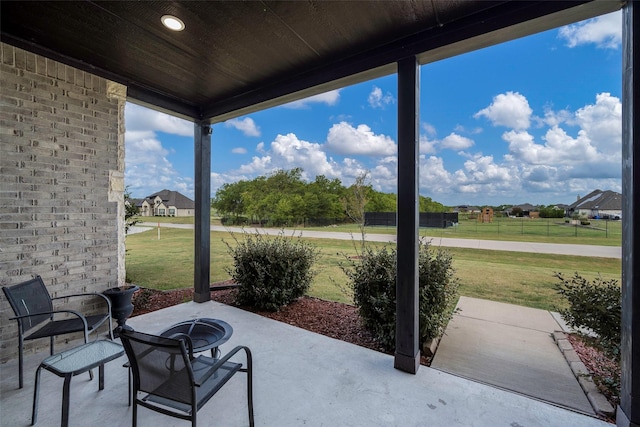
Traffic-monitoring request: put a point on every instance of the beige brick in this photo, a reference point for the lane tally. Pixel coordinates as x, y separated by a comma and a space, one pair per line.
59, 140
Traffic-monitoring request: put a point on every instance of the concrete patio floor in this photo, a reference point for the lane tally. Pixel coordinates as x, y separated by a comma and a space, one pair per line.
300, 379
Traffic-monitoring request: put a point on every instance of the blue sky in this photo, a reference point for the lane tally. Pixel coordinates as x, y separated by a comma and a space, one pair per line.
535, 120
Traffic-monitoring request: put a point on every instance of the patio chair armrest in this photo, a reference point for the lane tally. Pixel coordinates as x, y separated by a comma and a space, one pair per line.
88, 294
224, 360
75, 313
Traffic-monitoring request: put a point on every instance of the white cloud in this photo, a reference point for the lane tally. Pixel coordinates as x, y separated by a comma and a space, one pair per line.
559, 147
384, 175
597, 143
567, 152
555, 118
428, 128
427, 146
434, 177
604, 31
540, 174
602, 122
483, 170
329, 98
456, 142
258, 166
247, 126
349, 169
461, 129
577, 152
453, 141
147, 166
218, 179
509, 109
286, 152
378, 100
139, 118
347, 140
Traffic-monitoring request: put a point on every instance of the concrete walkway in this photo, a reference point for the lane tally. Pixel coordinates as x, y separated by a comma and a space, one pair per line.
494, 245
300, 379
510, 347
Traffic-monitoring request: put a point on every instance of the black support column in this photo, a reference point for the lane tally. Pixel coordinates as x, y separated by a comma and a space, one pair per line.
629, 409
202, 220
407, 356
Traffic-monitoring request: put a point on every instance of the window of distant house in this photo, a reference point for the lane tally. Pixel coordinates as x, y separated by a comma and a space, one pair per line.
172, 211
160, 211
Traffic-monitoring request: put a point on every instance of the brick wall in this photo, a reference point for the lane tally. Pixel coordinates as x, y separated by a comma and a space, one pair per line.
61, 182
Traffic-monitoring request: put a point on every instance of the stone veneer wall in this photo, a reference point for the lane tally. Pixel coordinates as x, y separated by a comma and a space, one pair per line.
61, 182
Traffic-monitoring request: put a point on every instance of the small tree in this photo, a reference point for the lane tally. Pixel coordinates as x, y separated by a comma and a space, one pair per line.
131, 211
355, 200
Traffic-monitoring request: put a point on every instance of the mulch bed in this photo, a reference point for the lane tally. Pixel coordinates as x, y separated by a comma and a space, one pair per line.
333, 319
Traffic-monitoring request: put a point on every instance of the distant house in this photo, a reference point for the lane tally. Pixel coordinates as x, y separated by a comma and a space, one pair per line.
466, 208
166, 203
527, 209
602, 204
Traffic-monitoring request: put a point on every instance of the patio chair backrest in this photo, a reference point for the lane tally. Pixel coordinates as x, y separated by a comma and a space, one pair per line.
160, 365
27, 298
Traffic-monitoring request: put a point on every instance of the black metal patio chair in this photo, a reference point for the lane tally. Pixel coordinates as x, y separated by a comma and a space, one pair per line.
168, 379
34, 312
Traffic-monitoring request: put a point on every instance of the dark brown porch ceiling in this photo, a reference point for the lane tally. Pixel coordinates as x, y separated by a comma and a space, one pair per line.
236, 57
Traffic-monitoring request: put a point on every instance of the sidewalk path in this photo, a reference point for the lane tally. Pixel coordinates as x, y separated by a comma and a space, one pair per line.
493, 245
510, 347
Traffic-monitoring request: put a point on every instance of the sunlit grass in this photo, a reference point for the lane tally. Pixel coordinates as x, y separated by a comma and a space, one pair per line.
554, 230
512, 277
601, 233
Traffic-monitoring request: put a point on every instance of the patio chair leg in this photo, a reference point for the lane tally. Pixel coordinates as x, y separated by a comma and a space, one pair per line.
20, 361
66, 389
36, 390
135, 413
250, 386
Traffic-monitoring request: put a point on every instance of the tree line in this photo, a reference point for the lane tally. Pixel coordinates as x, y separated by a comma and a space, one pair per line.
285, 198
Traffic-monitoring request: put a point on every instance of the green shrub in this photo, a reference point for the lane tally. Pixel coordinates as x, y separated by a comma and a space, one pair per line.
438, 291
372, 277
271, 271
596, 306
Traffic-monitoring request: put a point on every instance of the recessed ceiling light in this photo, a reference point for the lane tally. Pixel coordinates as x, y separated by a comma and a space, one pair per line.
172, 23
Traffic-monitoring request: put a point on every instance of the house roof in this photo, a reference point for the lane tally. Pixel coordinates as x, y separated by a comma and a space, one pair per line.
599, 200
526, 207
173, 198
236, 57
136, 202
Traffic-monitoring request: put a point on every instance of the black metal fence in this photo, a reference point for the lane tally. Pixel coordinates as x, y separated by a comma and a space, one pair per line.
427, 219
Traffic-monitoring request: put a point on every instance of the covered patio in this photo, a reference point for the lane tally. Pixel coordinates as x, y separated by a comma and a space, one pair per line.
300, 378
62, 159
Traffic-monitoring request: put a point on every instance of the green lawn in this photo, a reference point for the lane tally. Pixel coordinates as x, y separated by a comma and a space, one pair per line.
555, 230
518, 278
599, 232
